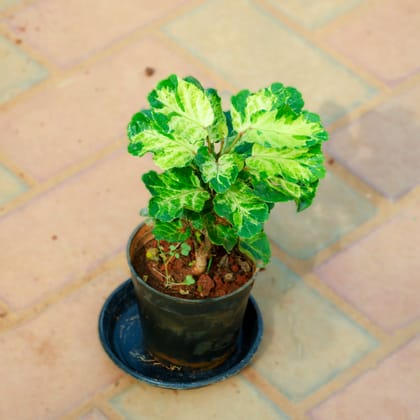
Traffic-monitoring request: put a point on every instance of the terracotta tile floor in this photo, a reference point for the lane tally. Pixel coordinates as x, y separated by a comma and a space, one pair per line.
341, 297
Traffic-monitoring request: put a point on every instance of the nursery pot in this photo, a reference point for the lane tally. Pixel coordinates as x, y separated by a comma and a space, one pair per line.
197, 334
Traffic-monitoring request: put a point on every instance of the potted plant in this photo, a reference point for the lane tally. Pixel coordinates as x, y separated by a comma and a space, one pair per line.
194, 260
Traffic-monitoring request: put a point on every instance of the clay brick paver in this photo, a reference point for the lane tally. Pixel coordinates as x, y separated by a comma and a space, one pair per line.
389, 32
50, 24
380, 274
55, 361
85, 111
232, 46
324, 223
18, 71
307, 340
93, 414
314, 14
383, 146
229, 400
390, 391
10, 185
341, 341
73, 228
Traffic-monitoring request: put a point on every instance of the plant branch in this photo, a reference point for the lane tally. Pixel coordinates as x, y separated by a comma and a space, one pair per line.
210, 145
202, 255
222, 145
235, 140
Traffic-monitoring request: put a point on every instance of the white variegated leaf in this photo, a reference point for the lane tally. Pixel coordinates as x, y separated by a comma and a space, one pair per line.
220, 172
257, 247
296, 165
172, 146
173, 191
283, 100
271, 130
241, 207
183, 98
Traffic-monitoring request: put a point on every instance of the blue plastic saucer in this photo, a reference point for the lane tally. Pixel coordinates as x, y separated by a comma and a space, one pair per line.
121, 336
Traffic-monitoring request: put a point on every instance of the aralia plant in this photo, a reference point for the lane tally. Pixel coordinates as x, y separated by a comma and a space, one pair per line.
223, 172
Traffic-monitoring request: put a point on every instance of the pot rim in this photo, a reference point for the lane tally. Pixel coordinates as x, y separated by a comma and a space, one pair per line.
174, 298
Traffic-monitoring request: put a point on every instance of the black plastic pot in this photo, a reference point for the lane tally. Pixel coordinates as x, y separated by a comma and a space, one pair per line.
199, 334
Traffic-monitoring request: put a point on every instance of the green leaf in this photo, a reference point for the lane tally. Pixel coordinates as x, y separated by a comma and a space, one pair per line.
307, 196
276, 189
175, 96
242, 208
239, 116
276, 129
173, 142
194, 218
285, 174
257, 248
221, 234
219, 129
185, 249
286, 159
173, 231
228, 118
173, 191
194, 81
183, 115
220, 173
189, 280
287, 98
302, 165
276, 97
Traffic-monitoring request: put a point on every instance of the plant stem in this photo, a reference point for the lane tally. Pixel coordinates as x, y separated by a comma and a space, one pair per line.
222, 145
202, 255
210, 145
235, 140
166, 262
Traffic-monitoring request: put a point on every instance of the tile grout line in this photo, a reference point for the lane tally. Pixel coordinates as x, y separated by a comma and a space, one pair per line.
385, 212
345, 307
19, 317
59, 73
12, 167
357, 10
68, 173
269, 390
368, 363
101, 398
313, 38
34, 54
106, 51
197, 62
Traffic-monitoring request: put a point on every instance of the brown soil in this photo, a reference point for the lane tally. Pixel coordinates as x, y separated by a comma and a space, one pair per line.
225, 272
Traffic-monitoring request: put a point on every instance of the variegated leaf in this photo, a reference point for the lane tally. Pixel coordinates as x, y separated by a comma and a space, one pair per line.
286, 174
172, 143
257, 248
220, 172
183, 98
241, 207
221, 233
173, 231
276, 97
274, 189
218, 130
173, 191
302, 165
273, 129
